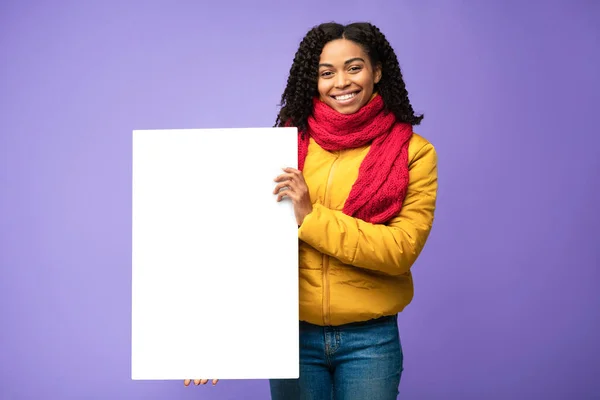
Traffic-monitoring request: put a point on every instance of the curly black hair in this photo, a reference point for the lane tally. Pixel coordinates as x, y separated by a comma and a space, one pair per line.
296, 100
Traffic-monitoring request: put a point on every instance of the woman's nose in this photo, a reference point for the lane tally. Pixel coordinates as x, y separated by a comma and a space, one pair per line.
341, 81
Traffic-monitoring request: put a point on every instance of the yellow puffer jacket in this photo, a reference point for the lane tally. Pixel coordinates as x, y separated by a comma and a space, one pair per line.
351, 270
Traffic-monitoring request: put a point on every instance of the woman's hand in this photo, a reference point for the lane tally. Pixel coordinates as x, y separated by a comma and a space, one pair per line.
199, 382
291, 184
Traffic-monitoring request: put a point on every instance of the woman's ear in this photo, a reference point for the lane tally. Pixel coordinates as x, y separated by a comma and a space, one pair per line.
378, 73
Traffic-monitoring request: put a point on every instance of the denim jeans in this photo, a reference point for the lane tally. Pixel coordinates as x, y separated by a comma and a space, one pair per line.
359, 361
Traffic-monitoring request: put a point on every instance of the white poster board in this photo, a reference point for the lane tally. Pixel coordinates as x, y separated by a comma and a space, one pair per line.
214, 256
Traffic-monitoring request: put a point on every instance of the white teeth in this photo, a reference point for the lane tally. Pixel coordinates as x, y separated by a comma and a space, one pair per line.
345, 97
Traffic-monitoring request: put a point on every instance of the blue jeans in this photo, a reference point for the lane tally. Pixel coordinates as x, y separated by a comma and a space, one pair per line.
359, 361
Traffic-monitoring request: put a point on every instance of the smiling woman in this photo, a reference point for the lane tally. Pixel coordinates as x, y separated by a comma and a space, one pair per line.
372, 184
364, 196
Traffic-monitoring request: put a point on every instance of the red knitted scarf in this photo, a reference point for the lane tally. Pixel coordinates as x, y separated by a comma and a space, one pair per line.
379, 190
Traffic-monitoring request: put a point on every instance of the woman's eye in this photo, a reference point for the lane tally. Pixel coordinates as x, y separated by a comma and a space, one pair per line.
354, 69
325, 74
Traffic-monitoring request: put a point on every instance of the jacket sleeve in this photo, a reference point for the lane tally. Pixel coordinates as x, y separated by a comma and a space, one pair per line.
391, 248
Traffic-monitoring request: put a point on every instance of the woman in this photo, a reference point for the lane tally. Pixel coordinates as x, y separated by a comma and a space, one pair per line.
364, 197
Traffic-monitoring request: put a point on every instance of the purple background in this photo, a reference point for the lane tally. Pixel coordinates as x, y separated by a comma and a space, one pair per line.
507, 304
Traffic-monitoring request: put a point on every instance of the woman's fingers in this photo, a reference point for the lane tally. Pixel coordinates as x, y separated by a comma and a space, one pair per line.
292, 184
198, 382
286, 193
291, 174
286, 177
283, 185
291, 180
294, 174
294, 171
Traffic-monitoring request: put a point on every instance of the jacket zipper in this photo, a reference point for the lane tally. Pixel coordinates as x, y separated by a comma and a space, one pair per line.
325, 276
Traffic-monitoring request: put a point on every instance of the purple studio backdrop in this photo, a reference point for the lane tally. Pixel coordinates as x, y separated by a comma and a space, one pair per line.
507, 304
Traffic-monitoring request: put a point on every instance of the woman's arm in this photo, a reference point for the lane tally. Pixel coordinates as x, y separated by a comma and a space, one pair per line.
391, 248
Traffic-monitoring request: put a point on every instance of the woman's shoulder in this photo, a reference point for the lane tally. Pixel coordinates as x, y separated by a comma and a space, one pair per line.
420, 148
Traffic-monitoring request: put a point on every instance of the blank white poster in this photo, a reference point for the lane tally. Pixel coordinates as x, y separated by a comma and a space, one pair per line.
214, 255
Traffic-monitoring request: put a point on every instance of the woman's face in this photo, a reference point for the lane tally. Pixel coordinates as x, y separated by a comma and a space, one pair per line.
346, 76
